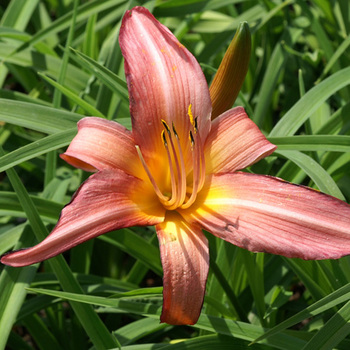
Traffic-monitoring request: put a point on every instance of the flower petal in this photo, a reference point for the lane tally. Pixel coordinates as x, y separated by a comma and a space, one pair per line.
234, 142
107, 201
185, 259
266, 214
103, 144
163, 80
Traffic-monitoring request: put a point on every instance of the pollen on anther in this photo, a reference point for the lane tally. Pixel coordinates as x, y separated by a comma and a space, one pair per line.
189, 112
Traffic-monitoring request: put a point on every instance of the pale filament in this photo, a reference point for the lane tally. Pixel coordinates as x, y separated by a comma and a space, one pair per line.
172, 201
178, 193
181, 196
180, 168
197, 139
151, 178
198, 165
201, 155
182, 181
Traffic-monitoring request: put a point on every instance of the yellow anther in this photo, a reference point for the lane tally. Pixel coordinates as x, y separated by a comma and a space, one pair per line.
189, 112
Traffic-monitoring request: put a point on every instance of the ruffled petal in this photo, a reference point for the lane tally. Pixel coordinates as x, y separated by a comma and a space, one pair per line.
103, 144
185, 259
266, 214
163, 79
107, 201
234, 143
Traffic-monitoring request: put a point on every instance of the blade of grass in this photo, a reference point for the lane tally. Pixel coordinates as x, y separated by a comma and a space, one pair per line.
254, 266
139, 270
16, 16
38, 330
340, 51
37, 148
310, 102
51, 157
12, 290
134, 331
274, 69
331, 143
110, 79
237, 329
224, 262
50, 65
328, 302
213, 341
9, 236
333, 332
229, 292
136, 246
320, 176
10, 205
42, 118
180, 8
36, 117
62, 23
74, 97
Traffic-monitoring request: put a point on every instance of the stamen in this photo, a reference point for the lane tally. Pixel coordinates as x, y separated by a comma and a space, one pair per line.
164, 139
195, 126
189, 112
181, 195
201, 154
176, 194
200, 150
172, 200
151, 178
196, 169
174, 130
182, 178
191, 140
178, 187
198, 161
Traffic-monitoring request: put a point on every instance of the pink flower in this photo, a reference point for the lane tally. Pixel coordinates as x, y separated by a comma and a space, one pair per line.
178, 170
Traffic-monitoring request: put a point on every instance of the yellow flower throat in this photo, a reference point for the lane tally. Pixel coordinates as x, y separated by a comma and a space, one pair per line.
182, 196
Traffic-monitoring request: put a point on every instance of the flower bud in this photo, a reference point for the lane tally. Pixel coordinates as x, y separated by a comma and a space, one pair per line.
230, 75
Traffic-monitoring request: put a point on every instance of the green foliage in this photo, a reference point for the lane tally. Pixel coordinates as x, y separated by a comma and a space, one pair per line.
60, 61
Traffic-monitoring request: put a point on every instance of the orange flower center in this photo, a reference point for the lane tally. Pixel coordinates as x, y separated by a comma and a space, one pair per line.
182, 195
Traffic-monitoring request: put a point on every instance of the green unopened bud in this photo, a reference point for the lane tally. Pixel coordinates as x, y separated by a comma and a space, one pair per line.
230, 75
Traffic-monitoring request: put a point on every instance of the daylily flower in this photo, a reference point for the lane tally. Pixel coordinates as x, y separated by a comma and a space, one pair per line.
179, 170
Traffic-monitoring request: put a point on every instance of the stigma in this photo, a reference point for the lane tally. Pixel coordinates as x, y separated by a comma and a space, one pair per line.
181, 194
